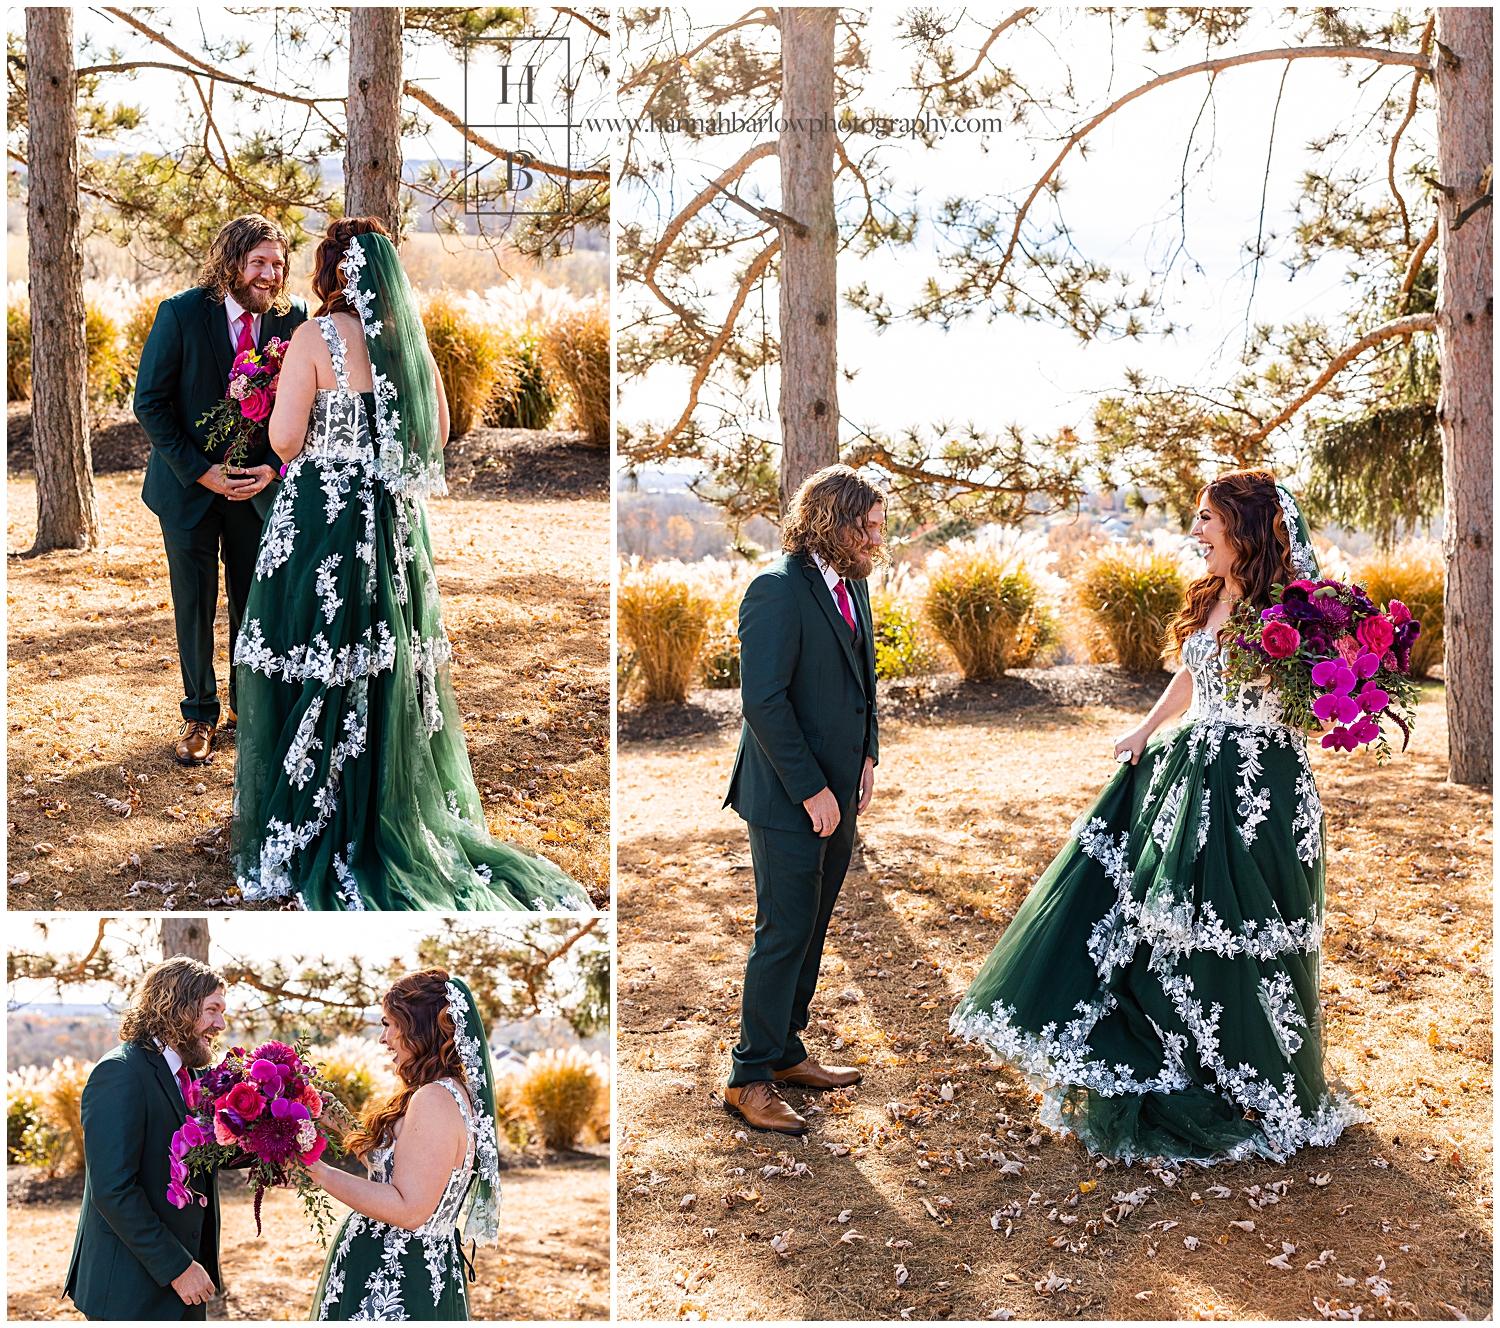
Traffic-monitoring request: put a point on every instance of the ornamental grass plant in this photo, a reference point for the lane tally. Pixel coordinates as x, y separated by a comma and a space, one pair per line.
576, 346
358, 1069
1412, 572
44, 1115
1129, 594
905, 646
471, 356
534, 400
665, 611
992, 603
561, 1090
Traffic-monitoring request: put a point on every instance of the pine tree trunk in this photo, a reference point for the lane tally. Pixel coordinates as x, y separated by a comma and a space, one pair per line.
372, 150
66, 514
809, 404
1465, 321
185, 936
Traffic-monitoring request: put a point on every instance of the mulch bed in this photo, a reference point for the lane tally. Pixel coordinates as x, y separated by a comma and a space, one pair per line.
24, 1185
921, 700
484, 463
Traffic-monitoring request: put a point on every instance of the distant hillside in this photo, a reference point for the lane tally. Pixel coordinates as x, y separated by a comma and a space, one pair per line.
39, 1035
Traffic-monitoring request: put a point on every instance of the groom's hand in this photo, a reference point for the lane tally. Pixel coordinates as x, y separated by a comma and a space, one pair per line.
256, 477
824, 809
193, 1285
234, 486
866, 784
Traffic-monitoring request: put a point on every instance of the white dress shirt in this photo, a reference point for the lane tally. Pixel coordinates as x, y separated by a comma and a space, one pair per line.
832, 579
174, 1061
236, 311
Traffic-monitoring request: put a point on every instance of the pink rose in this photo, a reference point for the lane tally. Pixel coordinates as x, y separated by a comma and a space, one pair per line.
244, 1100
1398, 612
1376, 634
1349, 648
316, 1151
312, 1101
256, 405
1279, 639
222, 1133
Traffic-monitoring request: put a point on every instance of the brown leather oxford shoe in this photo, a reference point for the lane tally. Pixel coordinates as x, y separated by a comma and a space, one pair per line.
196, 742
761, 1106
809, 1074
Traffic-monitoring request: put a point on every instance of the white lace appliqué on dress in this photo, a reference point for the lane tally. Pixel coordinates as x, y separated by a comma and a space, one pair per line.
386, 1293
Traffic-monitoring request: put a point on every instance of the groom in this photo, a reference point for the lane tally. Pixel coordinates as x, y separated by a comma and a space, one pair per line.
135, 1255
240, 303
805, 768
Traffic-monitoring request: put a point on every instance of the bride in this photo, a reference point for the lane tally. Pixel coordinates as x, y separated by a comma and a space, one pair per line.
352, 785
433, 1160
1161, 979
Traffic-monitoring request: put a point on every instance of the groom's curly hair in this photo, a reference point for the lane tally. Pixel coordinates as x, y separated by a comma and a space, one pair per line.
827, 514
167, 1004
225, 264
417, 1005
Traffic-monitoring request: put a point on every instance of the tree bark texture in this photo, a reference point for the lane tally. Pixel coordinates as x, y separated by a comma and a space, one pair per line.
67, 516
1464, 81
372, 149
185, 936
809, 405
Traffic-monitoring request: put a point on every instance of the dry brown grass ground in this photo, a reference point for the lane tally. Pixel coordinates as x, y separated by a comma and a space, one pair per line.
969, 809
94, 686
552, 1260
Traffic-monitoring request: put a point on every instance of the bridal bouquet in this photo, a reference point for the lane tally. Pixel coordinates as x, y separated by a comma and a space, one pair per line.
268, 1104
244, 409
1334, 655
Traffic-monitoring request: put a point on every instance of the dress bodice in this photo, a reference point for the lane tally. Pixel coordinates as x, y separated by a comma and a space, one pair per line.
1204, 658
339, 429
381, 1161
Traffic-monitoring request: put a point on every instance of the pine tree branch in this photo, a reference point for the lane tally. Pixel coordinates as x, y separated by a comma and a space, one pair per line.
161, 39
521, 159
1411, 113
1415, 266
983, 51
588, 23
871, 452
691, 210
770, 19
752, 275
245, 977
1410, 58
1399, 327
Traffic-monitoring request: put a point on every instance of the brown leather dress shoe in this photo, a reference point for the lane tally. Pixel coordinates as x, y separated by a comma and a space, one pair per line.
196, 742
761, 1106
810, 1074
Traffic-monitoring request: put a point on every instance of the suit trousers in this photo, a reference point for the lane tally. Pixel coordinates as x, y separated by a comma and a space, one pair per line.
798, 875
230, 531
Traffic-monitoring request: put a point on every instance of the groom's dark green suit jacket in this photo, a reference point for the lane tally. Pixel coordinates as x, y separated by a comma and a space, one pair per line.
184, 370
131, 1242
807, 689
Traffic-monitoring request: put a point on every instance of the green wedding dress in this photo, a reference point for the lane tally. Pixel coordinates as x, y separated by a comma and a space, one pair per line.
352, 785
375, 1271
1160, 982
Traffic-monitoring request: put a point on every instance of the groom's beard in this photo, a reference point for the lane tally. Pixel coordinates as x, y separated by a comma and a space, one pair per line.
855, 565
198, 1053
255, 299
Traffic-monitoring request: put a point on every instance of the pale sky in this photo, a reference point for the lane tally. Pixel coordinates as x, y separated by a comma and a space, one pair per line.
1120, 205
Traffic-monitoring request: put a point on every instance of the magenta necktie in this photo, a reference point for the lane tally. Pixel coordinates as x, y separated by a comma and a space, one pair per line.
183, 1077
247, 342
842, 596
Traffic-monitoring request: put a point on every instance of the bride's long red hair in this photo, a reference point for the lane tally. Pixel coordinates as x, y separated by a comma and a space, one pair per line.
418, 1005
1255, 527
